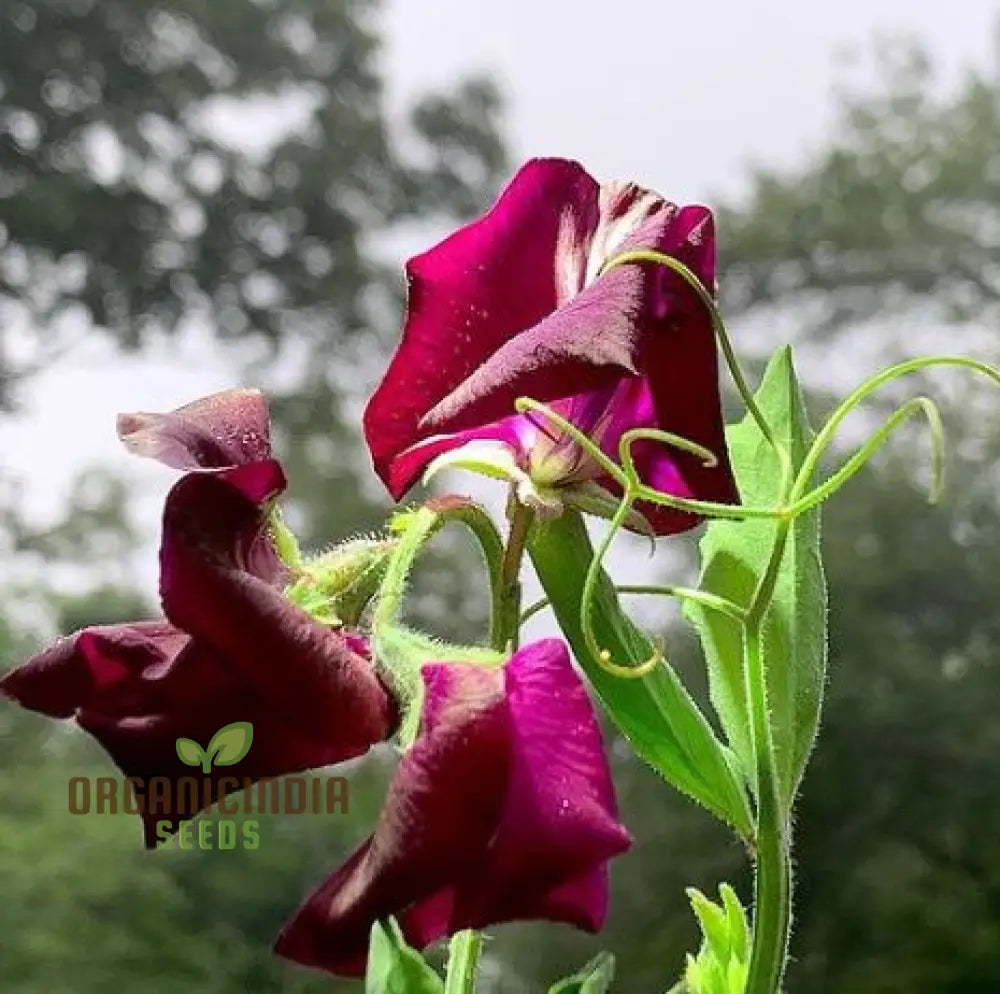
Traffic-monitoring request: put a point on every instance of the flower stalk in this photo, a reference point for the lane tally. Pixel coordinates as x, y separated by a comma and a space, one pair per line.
466, 946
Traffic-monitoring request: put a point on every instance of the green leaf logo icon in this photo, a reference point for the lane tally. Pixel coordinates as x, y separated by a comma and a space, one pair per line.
231, 743
189, 752
228, 746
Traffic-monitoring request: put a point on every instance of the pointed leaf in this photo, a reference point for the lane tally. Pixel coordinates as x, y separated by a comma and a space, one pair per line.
736, 976
655, 713
694, 975
734, 555
231, 743
736, 916
594, 978
189, 752
714, 926
395, 968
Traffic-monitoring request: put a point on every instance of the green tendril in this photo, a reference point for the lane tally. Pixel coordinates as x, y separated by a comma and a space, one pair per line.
707, 600
902, 414
627, 478
703, 508
718, 326
710, 601
633, 435
825, 437
532, 609
602, 656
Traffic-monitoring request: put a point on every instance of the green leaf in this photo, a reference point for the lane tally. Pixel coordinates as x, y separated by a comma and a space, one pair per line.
721, 964
714, 924
395, 968
594, 978
655, 712
231, 743
736, 976
734, 555
736, 918
189, 752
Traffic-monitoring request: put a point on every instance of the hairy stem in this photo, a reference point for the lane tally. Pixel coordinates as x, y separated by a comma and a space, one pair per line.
466, 947
772, 876
507, 630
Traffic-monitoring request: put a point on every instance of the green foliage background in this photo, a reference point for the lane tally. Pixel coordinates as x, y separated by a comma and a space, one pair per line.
898, 871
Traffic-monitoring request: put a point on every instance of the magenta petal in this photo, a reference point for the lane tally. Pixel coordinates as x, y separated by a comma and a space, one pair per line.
470, 294
504, 809
139, 687
589, 342
225, 429
520, 303
217, 571
560, 818
581, 901
438, 817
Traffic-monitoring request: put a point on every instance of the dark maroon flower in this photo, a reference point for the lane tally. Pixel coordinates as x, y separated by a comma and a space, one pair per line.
518, 304
503, 809
232, 646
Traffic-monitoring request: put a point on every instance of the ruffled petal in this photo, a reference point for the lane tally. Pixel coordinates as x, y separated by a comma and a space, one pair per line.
504, 809
217, 579
520, 304
139, 687
474, 292
438, 817
225, 429
559, 819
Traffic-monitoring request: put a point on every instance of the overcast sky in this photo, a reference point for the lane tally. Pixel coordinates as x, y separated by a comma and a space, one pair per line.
678, 95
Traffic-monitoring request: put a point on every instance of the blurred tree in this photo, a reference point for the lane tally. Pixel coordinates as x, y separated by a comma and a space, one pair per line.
134, 198
899, 208
897, 218
898, 871
235, 166
228, 164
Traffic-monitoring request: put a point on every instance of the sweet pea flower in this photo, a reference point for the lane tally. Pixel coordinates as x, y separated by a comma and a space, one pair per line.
520, 303
503, 810
231, 647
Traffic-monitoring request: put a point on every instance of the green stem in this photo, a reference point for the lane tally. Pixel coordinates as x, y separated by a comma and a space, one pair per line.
772, 879
463, 962
481, 525
772, 876
507, 631
466, 947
